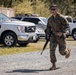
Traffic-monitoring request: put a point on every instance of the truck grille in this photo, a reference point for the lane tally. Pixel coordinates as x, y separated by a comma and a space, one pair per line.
30, 29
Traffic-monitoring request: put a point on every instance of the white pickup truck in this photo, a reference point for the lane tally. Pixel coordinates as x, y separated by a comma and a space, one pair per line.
13, 32
72, 30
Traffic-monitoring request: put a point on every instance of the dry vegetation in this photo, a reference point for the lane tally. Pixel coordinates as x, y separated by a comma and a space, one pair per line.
31, 47
40, 7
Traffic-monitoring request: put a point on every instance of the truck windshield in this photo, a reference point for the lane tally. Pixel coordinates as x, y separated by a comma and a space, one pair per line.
4, 17
44, 20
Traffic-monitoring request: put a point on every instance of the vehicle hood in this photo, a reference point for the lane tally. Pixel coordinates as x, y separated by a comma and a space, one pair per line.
18, 23
39, 30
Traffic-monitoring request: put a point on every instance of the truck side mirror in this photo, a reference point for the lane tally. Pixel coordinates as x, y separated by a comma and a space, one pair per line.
40, 22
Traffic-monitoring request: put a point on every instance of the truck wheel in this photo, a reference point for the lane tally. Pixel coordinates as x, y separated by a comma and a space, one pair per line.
37, 39
23, 44
74, 35
67, 36
9, 39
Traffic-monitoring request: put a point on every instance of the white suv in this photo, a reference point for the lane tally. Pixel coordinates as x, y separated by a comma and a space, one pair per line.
40, 22
13, 32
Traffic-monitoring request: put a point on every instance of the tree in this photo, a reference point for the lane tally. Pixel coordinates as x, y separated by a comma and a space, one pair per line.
9, 3
66, 7
23, 8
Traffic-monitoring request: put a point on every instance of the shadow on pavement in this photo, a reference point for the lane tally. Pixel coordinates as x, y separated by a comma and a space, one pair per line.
29, 70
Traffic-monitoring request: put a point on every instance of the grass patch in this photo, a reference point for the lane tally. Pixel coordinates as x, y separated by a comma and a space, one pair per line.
15, 50
31, 47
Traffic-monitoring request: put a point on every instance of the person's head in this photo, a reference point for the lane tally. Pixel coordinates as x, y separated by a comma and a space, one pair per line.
54, 9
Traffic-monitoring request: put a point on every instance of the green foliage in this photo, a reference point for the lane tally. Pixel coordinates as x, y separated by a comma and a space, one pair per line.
24, 7
41, 7
32, 7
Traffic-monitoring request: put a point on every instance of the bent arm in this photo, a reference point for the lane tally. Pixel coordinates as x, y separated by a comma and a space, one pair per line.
65, 25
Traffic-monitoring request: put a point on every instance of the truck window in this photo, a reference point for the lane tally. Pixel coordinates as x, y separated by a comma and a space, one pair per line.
26, 19
19, 18
33, 20
4, 17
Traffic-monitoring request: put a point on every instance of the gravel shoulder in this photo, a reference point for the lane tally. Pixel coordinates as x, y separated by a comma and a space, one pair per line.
32, 63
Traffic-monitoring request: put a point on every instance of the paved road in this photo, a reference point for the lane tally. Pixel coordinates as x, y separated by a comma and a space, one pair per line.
33, 63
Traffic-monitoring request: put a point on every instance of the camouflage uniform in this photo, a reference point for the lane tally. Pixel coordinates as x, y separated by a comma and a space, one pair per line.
57, 24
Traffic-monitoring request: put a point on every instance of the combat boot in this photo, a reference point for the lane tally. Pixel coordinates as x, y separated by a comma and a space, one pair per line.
67, 53
53, 67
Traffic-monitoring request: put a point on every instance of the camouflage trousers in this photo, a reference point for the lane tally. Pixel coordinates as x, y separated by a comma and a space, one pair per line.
61, 42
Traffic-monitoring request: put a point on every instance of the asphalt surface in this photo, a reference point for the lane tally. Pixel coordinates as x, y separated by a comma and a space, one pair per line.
32, 63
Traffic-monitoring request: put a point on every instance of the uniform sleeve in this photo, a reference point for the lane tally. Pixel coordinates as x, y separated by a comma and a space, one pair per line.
65, 24
48, 29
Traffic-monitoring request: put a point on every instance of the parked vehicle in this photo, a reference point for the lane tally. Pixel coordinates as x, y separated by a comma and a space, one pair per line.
40, 22
13, 32
72, 30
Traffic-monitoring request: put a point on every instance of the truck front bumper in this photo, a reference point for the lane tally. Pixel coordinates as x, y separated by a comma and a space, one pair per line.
29, 37
23, 38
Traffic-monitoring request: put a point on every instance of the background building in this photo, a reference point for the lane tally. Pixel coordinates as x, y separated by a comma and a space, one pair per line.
7, 11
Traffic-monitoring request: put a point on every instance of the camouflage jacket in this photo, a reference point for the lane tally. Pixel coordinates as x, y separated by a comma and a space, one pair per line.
57, 24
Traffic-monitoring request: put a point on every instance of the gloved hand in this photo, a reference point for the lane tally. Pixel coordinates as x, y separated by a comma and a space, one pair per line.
47, 34
47, 37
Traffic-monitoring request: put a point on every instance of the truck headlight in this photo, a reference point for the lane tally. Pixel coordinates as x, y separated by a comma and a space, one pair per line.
21, 29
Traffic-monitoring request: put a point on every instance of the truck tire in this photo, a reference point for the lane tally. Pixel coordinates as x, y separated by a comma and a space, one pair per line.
23, 44
74, 34
9, 39
37, 39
